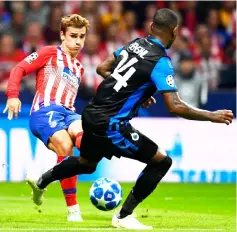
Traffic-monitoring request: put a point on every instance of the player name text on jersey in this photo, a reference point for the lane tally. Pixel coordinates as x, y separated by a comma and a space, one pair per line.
139, 50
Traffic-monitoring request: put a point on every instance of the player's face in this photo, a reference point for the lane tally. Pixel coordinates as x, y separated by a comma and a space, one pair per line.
74, 39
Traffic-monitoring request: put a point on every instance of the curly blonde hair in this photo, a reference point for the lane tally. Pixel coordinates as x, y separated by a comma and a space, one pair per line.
73, 20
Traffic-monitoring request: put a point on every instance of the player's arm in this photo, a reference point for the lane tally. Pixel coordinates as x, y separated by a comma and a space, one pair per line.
176, 106
31, 63
163, 77
106, 67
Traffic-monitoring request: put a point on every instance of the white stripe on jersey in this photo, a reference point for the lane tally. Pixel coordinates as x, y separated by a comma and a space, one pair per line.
35, 104
60, 90
77, 68
51, 78
70, 65
68, 97
60, 62
62, 84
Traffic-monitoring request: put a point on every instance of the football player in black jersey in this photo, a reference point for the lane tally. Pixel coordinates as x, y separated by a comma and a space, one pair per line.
132, 75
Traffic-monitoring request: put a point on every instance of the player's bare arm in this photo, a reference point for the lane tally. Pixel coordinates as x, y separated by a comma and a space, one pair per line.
177, 106
105, 68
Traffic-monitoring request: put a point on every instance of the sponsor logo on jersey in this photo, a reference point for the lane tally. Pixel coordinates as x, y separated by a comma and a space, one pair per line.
70, 76
139, 50
170, 81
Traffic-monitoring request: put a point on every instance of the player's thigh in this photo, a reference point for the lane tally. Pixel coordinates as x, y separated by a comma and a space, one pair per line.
62, 143
135, 145
74, 128
95, 146
48, 124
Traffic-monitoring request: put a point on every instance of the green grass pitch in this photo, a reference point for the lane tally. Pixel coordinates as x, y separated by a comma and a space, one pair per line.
171, 207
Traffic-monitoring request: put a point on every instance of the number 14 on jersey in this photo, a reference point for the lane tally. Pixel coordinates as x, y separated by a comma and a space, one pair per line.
122, 80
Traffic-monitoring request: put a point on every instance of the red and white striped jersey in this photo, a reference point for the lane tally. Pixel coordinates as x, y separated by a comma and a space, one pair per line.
57, 77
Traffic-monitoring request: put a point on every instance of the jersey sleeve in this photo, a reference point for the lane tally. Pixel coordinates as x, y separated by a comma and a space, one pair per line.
163, 75
36, 60
117, 52
31, 63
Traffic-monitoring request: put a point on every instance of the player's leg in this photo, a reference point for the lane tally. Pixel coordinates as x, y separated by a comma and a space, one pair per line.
62, 144
48, 124
93, 148
147, 181
141, 148
71, 166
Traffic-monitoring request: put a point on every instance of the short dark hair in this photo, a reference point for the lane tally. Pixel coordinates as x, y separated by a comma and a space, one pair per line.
165, 19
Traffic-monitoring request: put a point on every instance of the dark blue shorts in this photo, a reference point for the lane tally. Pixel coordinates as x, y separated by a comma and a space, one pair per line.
48, 120
120, 139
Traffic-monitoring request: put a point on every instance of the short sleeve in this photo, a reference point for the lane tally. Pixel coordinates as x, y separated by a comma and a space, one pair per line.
117, 52
163, 75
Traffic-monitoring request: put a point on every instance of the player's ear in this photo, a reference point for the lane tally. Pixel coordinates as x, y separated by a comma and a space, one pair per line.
175, 31
151, 26
62, 36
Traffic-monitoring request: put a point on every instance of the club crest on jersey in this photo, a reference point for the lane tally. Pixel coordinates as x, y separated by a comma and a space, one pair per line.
69, 75
53, 124
134, 136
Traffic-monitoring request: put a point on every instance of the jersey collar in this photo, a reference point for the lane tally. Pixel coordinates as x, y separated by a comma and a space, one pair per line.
157, 41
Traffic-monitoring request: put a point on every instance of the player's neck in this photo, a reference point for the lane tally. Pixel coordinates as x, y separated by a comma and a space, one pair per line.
68, 52
162, 38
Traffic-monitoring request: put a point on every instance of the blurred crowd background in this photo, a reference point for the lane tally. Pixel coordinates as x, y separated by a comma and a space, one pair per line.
203, 55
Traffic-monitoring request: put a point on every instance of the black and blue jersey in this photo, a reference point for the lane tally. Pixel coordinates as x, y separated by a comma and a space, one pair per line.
141, 68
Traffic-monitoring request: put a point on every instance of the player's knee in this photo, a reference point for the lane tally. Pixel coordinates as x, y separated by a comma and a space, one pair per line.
167, 162
86, 169
90, 170
164, 165
65, 148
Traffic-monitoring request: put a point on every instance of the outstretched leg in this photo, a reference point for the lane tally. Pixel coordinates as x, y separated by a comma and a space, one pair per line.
147, 181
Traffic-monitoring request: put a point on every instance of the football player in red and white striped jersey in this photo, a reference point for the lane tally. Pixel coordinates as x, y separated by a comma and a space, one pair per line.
53, 119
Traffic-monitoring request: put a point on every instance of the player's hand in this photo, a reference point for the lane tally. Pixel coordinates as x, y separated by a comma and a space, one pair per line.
146, 104
222, 116
13, 107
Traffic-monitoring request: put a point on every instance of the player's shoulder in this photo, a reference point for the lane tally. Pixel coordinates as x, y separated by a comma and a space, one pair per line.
165, 62
48, 49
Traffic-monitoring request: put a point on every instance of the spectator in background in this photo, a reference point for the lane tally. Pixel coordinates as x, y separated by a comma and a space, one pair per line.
33, 39
5, 16
90, 60
9, 57
88, 9
51, 31
209, 63
218, 35
16, 27
38, 12
114, 14
130, 31
181, 44
190, 15
227, 13
111, 42
200, 32
192, 87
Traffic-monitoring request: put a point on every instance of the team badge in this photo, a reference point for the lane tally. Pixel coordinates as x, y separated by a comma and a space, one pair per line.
135, 136
53, 124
